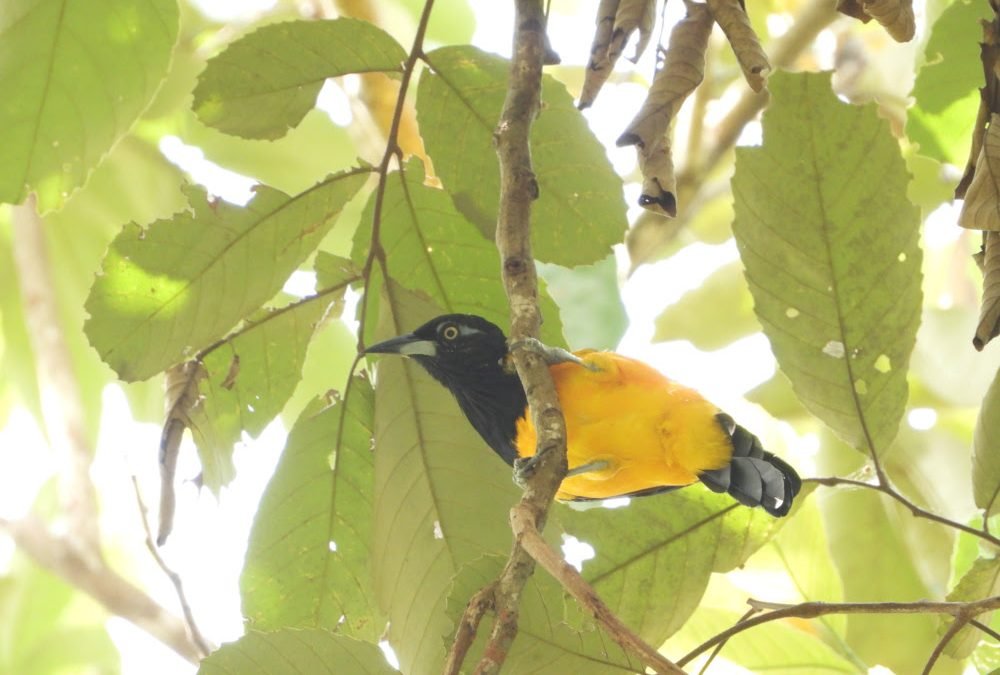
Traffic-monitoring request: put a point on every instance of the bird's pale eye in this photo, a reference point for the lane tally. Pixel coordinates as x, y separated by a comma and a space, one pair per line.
449, 332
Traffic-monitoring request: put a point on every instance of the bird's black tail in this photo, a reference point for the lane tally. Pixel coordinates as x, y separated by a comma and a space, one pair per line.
754, 477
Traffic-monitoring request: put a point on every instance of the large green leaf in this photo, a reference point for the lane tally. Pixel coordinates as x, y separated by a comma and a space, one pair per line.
829, 242
267, 81
654, 558
248, 380
554, 636
309, 555
170, 289
441, 495
579, 213
947, 87
986, 453
712, 315
430, 247
77, 75
296, 652
590, 304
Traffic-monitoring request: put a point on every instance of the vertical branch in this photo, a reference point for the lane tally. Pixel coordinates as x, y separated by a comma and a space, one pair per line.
62, 404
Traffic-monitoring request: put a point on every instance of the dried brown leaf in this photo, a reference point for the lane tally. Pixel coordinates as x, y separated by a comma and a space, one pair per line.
599, 67
854, 9
978, 133
735, 23
659, 185
981, 209
989, 312
181, 395
895, 15
632, 15
989, 101
682, 71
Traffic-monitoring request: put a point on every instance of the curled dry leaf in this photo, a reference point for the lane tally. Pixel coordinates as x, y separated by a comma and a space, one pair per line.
989, 312
181, 395
981, 209
735, 23
895, 15
989, 101
617, 20
853, 8
682, 71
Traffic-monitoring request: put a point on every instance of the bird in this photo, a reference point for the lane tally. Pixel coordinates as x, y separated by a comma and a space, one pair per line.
630, 430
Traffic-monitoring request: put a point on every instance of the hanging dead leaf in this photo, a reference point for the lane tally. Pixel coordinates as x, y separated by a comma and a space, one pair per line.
981, 209
989, 312
599, 67
682, 71
853, 9
632, 15
979, 257
735, 23
659, 185
896, 16
181, 396
989, 99
978, 133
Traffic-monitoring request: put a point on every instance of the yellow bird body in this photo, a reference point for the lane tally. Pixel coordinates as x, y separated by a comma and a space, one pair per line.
650, 431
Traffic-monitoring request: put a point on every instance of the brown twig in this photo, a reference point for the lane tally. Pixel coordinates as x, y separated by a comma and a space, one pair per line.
204, 647
100, 582
532, 542
812, 610
886, 488
64, 413
468, 625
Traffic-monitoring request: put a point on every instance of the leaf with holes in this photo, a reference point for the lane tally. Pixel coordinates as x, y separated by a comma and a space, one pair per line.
309, 556
296, 652
266, 82
78, 73
170, 289
829, 243
430, 247
579, 213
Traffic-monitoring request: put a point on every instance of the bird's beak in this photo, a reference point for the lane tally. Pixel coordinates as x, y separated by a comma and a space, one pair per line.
407, 345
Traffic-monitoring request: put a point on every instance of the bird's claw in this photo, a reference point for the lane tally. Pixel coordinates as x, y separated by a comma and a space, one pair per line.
551, 355
524, 469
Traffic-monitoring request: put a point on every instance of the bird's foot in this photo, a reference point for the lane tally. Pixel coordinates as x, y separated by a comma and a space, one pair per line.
551, 355
524, 469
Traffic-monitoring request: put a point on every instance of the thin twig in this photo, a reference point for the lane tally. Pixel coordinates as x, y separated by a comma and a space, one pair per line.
468, 625
532, 541
204, 647
956, 625
63, 413
811, 610
886, 488
518, 189
718, 648
986, 629
100, 582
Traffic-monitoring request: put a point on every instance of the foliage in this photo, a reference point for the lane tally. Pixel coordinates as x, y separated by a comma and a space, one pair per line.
386, 512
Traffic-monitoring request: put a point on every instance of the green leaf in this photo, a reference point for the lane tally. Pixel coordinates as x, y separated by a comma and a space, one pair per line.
982, 581
712, 315
78, 73
952, 66
441, 495
267, 81
548, 642
333, 270
579, 213
944, 136
654, 557
170, 289
829, 242
309, 555
296, 652
986, 453
431, 247
777, 398
249, 378
590, 305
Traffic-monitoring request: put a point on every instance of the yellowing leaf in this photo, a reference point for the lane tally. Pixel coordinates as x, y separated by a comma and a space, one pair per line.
296, 652
986, 453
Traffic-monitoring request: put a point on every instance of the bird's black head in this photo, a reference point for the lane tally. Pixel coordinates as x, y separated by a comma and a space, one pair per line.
466, 353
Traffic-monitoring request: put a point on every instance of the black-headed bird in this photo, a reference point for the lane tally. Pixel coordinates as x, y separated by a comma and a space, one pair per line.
630, 430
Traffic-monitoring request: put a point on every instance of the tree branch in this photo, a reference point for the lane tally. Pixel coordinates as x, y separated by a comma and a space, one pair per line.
117, 595
62, 407
811, 610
